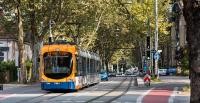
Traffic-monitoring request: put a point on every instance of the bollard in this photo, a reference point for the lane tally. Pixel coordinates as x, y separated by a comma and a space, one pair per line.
18, 74
135, 81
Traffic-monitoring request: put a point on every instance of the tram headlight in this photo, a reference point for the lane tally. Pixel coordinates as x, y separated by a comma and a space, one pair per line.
56, 83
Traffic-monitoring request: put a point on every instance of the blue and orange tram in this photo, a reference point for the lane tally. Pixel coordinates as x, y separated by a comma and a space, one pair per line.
65, 67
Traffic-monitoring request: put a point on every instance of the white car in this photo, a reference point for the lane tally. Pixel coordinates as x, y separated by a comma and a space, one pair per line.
162, 71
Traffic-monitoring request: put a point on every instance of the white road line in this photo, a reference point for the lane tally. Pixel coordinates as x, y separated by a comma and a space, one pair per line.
171, 99
8, 96
140, 98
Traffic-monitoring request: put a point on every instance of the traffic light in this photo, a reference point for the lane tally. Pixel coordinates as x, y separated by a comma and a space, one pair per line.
148, 42
148, 52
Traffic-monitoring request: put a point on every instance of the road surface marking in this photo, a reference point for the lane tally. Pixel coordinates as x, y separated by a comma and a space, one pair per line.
4, 96
158, 95
171, 99
140, 98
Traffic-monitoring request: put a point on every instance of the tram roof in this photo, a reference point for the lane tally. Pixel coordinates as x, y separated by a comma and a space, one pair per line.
56, 47
88, 54
70, 47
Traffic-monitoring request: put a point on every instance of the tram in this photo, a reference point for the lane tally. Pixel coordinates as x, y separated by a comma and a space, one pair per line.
63, 66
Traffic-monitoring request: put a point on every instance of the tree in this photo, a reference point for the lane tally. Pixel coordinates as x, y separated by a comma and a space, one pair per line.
99, 21
20, 42
191, 13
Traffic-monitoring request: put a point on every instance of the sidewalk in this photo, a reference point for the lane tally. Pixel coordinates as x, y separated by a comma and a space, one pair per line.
9, 86
181, 97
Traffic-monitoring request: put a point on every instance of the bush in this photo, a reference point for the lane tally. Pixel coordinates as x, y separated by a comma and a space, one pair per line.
185, 63
28, 64
5, 66
8, 70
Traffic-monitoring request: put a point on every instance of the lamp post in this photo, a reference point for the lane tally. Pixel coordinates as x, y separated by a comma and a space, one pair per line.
156, 37
50, 31
1, 11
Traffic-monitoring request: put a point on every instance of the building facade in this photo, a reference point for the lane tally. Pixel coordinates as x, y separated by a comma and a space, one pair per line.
170, 51
178, 32
9, 49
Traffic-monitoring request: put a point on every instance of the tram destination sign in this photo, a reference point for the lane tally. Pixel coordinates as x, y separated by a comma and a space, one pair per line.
4, 48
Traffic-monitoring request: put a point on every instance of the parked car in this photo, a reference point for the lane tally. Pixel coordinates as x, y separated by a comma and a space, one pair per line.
171, 71
112, 74
119, 73
162, 71
104, 76
142, 73
128, 72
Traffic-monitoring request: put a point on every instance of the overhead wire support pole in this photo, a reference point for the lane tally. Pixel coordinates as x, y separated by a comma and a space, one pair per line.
156, 37
50, 30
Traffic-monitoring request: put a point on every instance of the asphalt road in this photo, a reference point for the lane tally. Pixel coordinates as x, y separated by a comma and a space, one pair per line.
116, 90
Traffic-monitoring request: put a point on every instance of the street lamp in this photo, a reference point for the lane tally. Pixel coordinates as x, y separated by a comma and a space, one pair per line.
156, 37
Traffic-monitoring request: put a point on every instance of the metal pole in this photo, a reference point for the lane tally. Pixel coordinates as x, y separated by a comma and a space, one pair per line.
50, 32
117, 67
156, 37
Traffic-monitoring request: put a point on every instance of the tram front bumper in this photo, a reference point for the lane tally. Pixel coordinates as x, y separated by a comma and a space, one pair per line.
57, 86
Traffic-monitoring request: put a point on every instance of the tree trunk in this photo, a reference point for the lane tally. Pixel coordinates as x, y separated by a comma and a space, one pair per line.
21, 44
192, 16
106, 63
34, 40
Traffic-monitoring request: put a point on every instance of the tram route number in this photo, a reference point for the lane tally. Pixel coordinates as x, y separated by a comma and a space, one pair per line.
1, 86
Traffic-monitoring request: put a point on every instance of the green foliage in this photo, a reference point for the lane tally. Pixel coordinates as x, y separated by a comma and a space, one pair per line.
5, 66
155, 79
144, 11
28, 64
185, 62
105, 25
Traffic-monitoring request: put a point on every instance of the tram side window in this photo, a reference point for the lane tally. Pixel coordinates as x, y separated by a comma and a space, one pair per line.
98, 66
88, 66
94, 66
84, 65
91, 68
79, 66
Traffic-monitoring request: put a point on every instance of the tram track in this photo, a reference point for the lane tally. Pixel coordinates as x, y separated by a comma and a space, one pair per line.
47, 99
31, 100
115, 88
44, 96
123, 93
86, 91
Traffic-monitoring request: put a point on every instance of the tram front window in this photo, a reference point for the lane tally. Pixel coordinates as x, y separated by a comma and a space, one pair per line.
57, 65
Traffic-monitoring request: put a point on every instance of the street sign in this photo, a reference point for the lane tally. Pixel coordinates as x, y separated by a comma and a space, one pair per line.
157, 56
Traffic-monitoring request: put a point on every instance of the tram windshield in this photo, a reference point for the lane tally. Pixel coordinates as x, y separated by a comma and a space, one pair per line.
57, 64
